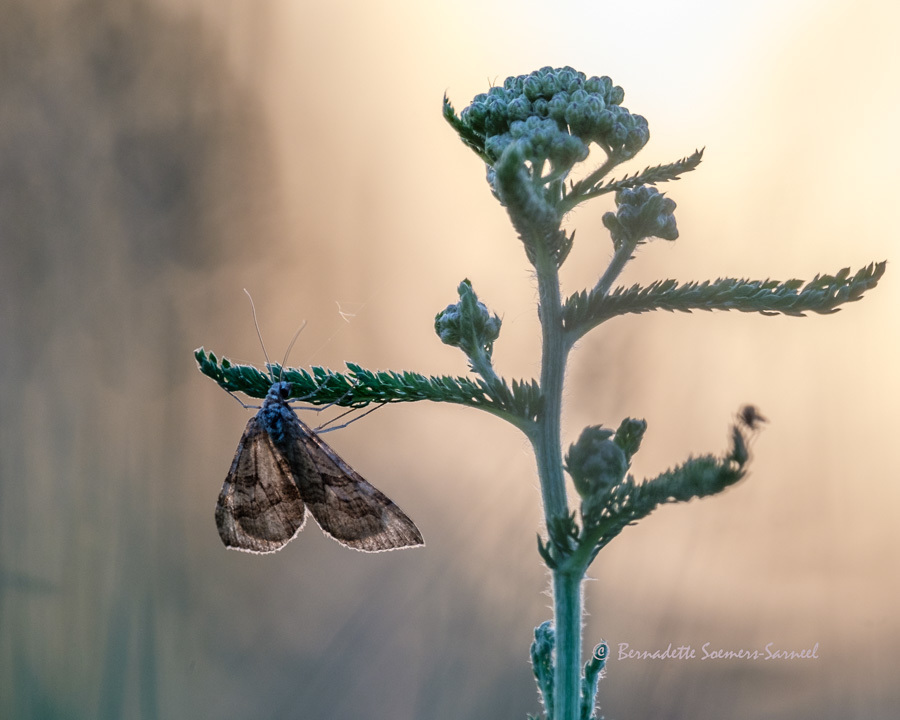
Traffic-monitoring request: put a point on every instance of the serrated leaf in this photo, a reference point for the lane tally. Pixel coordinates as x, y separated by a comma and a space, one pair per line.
320, 386
822, 295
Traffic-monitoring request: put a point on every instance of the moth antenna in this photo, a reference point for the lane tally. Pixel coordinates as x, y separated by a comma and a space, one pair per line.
288, 351
259, 334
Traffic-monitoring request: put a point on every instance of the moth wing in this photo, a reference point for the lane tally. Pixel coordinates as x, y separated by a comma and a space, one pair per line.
347, 507
260, 508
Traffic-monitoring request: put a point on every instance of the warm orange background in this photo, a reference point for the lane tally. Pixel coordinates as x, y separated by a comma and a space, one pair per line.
158, 157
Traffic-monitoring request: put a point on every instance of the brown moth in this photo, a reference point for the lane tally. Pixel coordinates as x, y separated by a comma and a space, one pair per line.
280, 469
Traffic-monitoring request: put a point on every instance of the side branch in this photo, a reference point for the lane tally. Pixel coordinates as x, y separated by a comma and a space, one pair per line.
606, 511
698, 477
823, 294
519, 403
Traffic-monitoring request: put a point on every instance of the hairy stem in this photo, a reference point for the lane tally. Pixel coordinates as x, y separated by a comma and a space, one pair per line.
548, 451
567, 621
620, 259
546, 436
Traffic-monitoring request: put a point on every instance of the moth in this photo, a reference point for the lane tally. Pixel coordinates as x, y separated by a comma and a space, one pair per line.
281, 469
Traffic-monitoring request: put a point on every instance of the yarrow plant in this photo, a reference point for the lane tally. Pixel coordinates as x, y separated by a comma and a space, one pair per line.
531, 133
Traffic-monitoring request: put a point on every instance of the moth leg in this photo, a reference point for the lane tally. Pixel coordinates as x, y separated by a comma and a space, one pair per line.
242, 403
309, 408
318, 409
325, 429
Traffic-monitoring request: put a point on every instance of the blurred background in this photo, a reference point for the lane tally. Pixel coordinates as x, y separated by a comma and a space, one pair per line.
157, 157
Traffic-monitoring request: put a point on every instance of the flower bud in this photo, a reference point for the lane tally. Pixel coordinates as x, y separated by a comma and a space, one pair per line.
629, 436
468, 324
595, 462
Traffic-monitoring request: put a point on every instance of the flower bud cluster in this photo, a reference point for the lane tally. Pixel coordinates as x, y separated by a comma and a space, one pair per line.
641, 212
552, 103
598, 462
540, 139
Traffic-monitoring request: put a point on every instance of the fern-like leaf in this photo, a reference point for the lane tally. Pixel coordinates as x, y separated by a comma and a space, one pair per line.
823, 294
581, 191
470, 138
696, 478
520, 403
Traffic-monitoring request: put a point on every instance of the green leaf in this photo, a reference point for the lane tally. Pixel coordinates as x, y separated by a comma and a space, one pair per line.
697, 477
823, 294
471, 138
519, 403
593, 671
542, 650
582, 191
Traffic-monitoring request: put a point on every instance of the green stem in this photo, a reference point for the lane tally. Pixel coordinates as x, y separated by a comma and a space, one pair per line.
546, 437
567, 621
548, 452
617, 264
620, 259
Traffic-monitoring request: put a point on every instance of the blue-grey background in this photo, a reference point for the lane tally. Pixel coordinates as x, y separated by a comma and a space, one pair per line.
157, 157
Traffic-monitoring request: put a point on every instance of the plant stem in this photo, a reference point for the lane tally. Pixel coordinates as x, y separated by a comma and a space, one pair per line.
567, 622
548, 452
620, 259
546, 437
